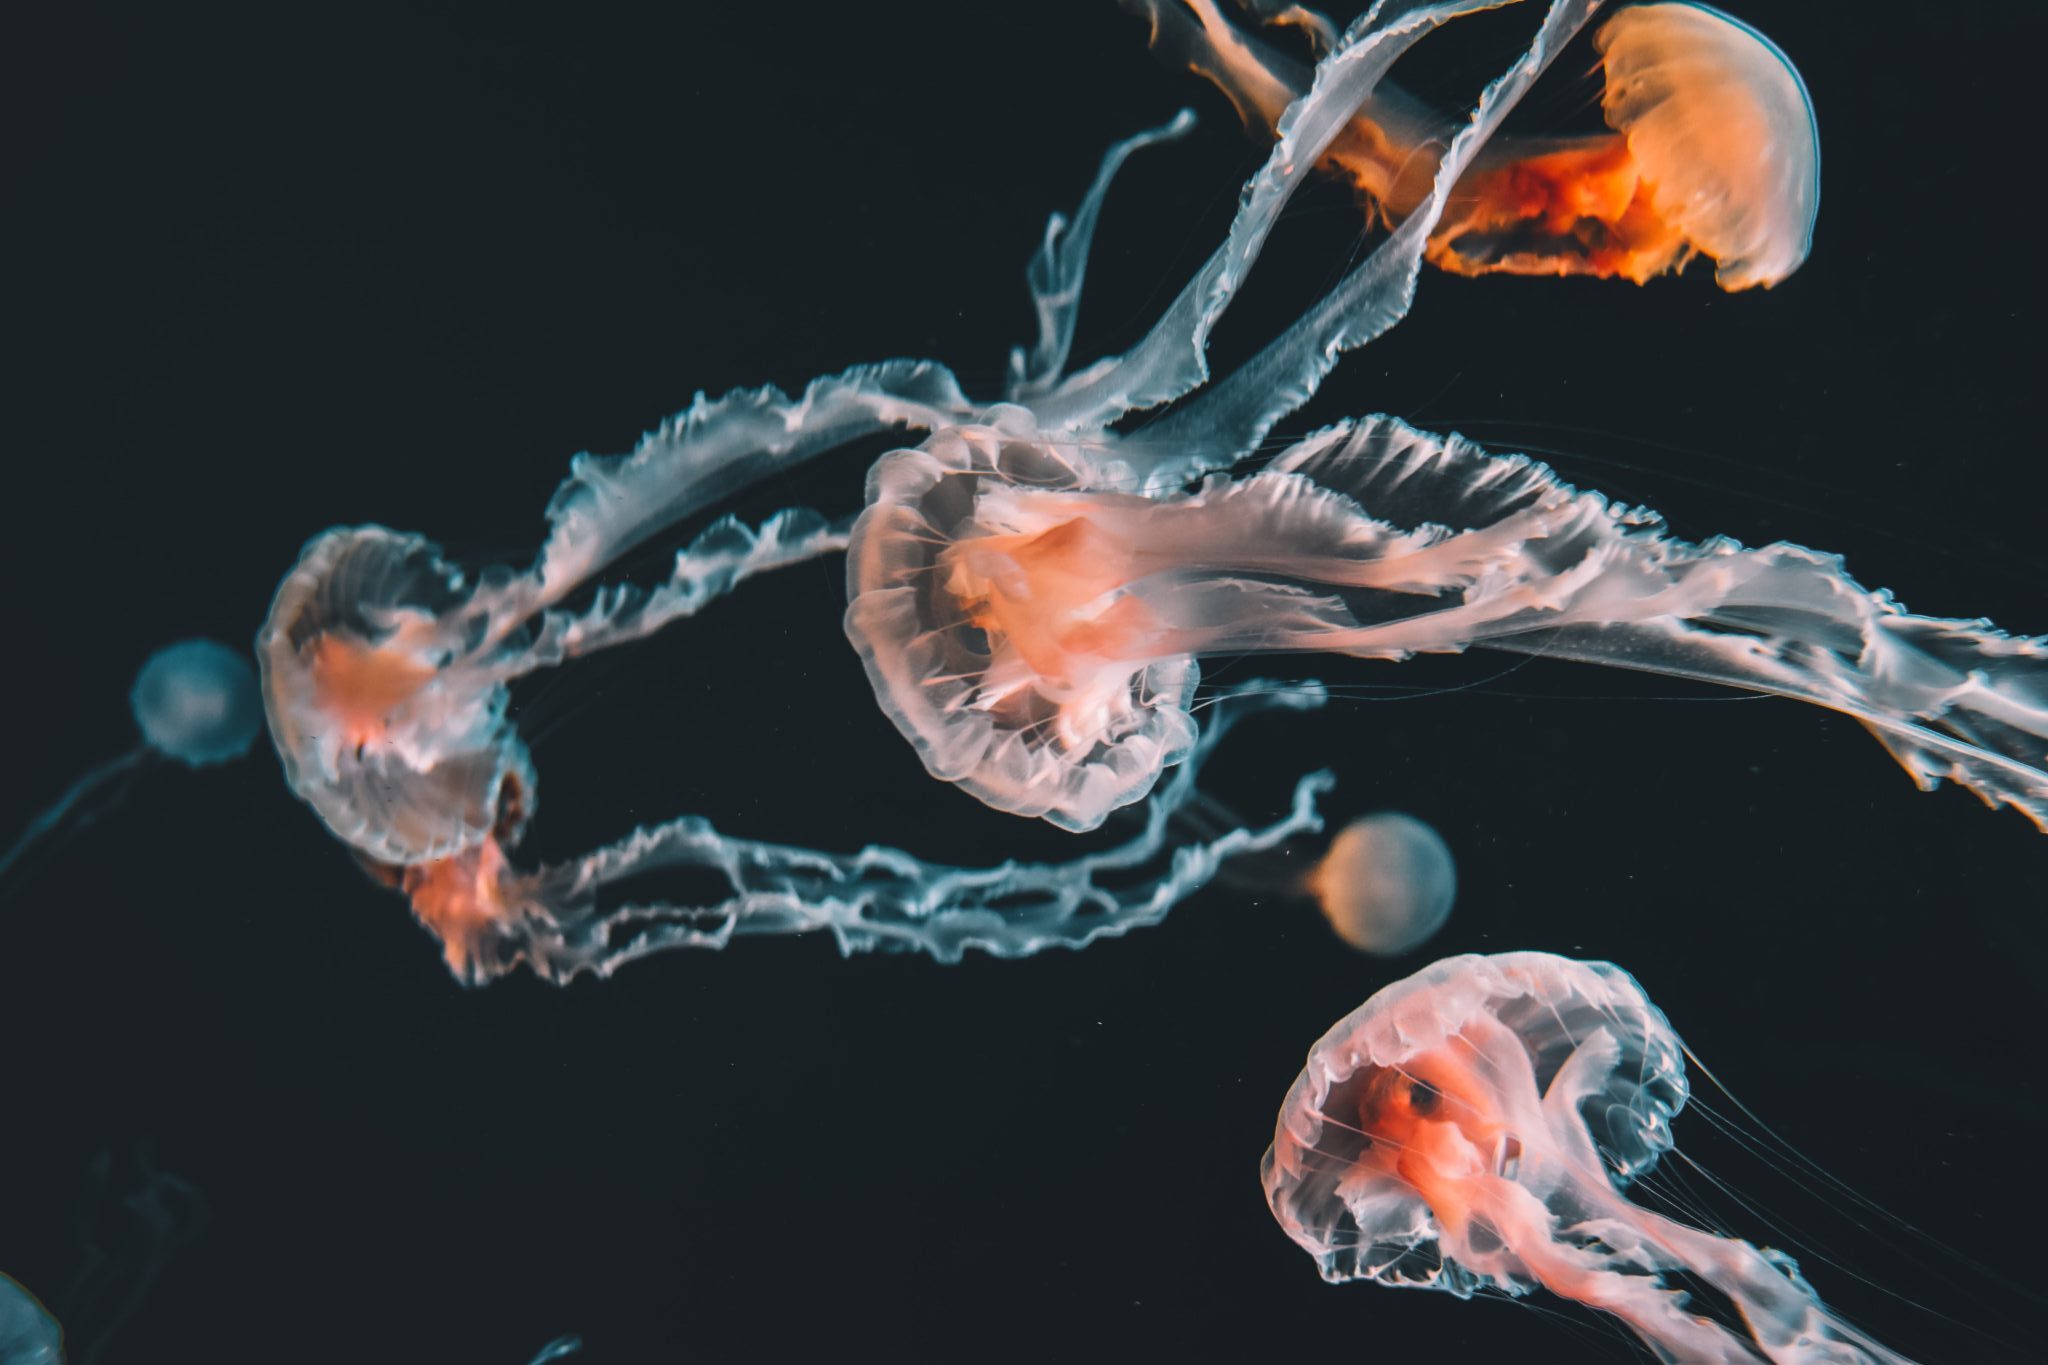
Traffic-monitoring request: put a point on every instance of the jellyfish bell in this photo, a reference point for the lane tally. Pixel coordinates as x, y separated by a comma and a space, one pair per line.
1476, 1127
1002, 698
1386, 884
1715, 152
385, 712
1722, 128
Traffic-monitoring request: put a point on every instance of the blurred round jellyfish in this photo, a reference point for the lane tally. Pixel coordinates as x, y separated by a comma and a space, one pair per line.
28, 1334
1474, 1127
195, 701
1387, 883
1715, 150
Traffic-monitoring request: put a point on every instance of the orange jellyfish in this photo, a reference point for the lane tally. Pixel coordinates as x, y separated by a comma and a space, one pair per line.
1476, 1127
1714, 150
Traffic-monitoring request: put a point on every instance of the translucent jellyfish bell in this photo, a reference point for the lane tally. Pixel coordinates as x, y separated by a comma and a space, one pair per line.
1476, 1127
1722, 129
1714, 150
1034, 630
1386, 884
196, 703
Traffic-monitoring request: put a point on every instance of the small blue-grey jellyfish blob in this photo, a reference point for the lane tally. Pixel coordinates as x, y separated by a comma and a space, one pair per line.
1386, 884
554, 1350
28, 1334
196, 701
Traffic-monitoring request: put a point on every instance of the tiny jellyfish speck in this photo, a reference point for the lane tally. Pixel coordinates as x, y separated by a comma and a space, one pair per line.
385, 669
195, 702
1476, 1127
1386, 884
559, 1349
28, 1334
1714, 149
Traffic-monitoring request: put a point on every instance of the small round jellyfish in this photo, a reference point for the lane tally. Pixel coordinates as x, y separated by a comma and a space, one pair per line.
1387, 883
1476, 1126
28, 1334
1714, 150
194, 701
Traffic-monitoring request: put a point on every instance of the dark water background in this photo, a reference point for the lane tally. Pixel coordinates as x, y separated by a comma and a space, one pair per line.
275, 270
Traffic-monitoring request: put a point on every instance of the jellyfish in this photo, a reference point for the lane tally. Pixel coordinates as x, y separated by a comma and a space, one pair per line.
1476, 1127
385, 667
1035, 631
28, 1334
194, 701
1714, 149
1386, 884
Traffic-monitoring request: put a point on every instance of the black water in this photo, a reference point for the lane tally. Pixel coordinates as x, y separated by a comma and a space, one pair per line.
271, 271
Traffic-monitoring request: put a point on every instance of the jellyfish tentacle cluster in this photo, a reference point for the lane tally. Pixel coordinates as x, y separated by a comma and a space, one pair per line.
1171, 361
563, 920
1476, 1127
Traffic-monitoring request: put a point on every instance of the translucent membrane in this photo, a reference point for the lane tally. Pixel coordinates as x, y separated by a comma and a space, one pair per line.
1475, 1127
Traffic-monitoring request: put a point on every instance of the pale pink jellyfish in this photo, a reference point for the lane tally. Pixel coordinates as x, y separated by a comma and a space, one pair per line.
1475, 1127
385, 669
1714, 150
1034, 631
